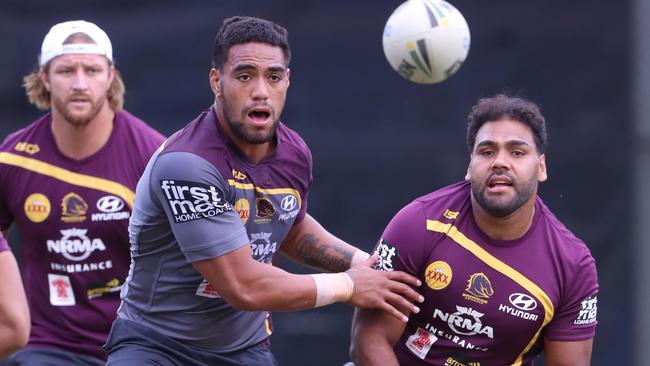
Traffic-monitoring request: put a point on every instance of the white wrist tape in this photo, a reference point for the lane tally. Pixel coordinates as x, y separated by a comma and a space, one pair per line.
359, 256
332, 287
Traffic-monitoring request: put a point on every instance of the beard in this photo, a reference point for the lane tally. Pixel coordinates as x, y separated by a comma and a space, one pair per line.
498, 207
245, 133
76, 119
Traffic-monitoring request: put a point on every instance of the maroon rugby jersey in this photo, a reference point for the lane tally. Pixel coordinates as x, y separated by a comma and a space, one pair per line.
487, 302
72, 216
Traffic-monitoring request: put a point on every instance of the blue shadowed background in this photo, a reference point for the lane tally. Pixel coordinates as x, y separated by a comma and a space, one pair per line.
378, 141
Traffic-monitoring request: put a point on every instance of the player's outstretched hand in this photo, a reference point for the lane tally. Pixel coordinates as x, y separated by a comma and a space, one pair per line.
389, 291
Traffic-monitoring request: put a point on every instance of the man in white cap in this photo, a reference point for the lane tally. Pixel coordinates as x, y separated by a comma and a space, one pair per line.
67, 181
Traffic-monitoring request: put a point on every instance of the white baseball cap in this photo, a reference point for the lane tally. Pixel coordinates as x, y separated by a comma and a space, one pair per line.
53, 43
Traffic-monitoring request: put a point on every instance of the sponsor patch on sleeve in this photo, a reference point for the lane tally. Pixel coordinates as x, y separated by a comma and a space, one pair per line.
190, 201
588, 311
387, 256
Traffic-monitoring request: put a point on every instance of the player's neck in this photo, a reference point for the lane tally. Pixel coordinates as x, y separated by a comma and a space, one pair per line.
81, 142
256, 153
510, 227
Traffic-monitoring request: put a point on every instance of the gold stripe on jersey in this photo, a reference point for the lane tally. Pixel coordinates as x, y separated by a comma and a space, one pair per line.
250, 186
267, 324
460, 238
64, 175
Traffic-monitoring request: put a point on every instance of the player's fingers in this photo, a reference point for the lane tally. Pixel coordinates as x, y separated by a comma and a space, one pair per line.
401, 304
404, 277
370, 261
394, 312
406, 291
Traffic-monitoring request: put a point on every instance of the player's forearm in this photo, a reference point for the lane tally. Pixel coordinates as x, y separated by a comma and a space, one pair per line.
250, 285
11, 340
374, 333
310, 244
372, 351
270, 288
14, 312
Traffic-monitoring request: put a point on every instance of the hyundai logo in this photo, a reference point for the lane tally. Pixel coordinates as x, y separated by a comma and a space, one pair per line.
110, 204
522, 301
289, 202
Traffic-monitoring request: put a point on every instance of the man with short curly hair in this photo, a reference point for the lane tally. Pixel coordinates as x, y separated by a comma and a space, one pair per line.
504, 279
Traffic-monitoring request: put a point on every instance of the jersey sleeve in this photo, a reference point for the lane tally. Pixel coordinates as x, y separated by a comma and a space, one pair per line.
6, 217
402, 244
307, 188
575, 317
193, 195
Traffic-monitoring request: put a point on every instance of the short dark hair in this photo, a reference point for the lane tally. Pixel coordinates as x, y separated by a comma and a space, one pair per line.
503, 106
241, 29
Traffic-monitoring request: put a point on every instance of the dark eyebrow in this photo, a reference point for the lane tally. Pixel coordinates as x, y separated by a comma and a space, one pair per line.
508, 143
247, 66
518, 143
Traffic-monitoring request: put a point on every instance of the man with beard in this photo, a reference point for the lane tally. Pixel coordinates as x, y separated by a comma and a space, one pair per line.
222, 196
504, 279
67, 182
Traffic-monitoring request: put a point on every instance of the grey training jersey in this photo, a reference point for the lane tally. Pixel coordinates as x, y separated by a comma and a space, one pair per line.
200, 198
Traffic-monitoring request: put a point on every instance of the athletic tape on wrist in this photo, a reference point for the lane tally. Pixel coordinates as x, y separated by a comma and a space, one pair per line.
358, 257
332, 287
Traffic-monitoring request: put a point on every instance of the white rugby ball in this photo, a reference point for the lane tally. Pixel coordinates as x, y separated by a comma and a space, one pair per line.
426, 41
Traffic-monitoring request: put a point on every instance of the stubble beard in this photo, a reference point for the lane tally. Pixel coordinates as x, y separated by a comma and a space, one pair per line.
238, 127
499, 208
79, 120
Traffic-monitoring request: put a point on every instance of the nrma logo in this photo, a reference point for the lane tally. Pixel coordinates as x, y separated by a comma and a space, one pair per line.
192, 200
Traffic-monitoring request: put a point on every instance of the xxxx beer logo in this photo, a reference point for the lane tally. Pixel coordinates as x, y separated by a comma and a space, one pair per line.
438, 275
37, 207
243, 208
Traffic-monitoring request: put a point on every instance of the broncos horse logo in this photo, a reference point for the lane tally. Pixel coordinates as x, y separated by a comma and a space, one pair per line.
479, 285
73, 208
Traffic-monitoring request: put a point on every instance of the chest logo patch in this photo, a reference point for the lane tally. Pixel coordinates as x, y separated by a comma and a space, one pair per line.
73, 208
238, 175
289, 202
28, 148
37, 207
243, 208
420, 342
75, 245
264, 210
522, 301
61, 293
479, 288
438, 275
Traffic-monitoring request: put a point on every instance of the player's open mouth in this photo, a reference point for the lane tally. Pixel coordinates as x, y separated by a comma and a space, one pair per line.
499, 181
259, 115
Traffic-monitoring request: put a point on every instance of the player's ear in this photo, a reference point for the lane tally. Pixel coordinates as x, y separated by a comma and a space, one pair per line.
469, 165
111, 73
288, 77
215, 81
44, 78
541, 173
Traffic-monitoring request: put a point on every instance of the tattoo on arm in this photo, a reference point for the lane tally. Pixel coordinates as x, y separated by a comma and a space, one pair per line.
326, 256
